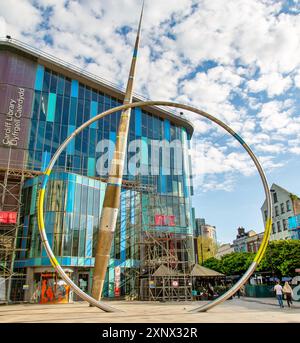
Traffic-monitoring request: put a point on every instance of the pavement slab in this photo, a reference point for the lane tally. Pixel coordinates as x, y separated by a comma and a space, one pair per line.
244, 310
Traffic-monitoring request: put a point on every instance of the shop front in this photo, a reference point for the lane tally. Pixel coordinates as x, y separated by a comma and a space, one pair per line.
48, 288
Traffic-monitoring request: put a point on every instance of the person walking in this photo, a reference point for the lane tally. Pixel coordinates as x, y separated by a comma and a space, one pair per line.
287, 290
278, 290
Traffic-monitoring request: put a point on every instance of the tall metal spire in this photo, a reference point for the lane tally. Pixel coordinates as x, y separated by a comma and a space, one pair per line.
111, 201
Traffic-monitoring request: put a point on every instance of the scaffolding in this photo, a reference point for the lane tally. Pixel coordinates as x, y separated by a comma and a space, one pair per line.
164, 255
12, 178
163, 272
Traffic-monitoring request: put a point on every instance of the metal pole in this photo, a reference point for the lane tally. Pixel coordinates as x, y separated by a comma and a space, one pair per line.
111, 201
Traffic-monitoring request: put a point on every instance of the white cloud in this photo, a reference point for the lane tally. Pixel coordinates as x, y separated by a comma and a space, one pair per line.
18, 16
274, 116
297, 79
273, 84
253, 46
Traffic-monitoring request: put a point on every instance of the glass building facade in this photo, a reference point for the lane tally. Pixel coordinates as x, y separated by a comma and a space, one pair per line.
55, 103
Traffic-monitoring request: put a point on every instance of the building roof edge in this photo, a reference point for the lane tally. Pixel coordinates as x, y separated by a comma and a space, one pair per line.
48, 58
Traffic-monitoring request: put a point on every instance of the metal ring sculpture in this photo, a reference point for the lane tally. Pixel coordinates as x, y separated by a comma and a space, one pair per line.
46, 174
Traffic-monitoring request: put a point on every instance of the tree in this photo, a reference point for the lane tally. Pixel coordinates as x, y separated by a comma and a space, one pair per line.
214, 264
206, 247
282, 258
236, 263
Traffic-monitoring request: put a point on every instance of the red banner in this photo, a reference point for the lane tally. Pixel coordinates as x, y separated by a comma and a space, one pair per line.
163, 220
8, 217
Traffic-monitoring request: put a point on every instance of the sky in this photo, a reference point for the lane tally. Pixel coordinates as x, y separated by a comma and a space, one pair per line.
239, 60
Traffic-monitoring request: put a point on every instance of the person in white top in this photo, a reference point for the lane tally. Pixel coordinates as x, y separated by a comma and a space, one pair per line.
278, 290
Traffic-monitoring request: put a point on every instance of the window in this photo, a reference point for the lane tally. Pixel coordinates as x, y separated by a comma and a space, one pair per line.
275, 197
284, 222
282, 208
276, 211
273, 228
288, 205
278, 227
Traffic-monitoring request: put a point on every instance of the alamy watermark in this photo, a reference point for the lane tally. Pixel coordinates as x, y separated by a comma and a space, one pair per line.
145, 157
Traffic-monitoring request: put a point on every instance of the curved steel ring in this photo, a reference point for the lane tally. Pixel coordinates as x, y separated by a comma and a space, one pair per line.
41, 196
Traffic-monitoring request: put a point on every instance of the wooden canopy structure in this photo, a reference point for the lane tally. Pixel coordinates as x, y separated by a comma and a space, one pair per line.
200, 271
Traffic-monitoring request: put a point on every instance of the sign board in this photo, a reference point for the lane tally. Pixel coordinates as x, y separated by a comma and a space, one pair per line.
8, 217
163, 220
175, 283
151, 284
297, 270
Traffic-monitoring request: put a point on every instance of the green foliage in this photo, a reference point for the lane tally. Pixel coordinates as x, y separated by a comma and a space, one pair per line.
232, 264
214, 264
236, 263
281, 258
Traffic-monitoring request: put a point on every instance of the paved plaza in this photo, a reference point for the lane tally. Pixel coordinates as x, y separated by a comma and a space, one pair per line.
242, 310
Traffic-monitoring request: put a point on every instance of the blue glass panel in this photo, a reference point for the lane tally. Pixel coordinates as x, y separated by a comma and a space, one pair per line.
66, 261
85, 139
79, 117
67, 86
46, 156
70, 197
81, 91
292, 222
138, 122
74, 88
87, 112
39, 78
45, 261
73, 108
93, 113
60, 85
48, 136
91, 166
65, 112
89, 236
71, 145
58, 109
51, 107
43, 107
92, 142
36, 105
53, 83
163, 183
112, 138
46, 81
144, 148
185, 187
167, 129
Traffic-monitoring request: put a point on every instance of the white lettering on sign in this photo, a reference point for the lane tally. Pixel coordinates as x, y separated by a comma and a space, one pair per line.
12, 124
